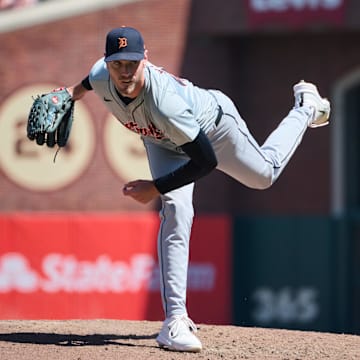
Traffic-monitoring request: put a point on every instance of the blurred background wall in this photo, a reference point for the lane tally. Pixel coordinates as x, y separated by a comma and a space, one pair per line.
294, 247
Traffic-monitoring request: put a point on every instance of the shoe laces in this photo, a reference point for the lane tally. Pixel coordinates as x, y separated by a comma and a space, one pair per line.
177, 322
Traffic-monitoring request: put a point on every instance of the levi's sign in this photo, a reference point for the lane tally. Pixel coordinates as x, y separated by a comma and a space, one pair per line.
297, 5
295, 13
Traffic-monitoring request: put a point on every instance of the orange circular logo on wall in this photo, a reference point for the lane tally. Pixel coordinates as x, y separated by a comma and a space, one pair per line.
32, 166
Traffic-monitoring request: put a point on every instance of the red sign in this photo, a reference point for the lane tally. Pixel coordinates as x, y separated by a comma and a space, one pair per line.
61, 266
295, 13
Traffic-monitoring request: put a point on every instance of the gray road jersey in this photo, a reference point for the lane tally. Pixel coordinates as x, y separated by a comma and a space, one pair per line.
168, 110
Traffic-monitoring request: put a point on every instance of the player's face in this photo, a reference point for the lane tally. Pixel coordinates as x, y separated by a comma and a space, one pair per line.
127, 76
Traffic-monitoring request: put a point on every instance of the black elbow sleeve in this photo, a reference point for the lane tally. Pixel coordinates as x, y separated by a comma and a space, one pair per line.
202, 162
86, 83
201, 152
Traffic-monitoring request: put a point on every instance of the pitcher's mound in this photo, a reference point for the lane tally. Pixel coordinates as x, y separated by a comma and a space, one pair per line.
118, 339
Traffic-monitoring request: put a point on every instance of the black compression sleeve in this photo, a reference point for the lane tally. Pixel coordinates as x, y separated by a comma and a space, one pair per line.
86, 83
202, 161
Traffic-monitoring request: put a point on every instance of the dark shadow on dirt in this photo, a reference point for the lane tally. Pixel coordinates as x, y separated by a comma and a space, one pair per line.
72, 339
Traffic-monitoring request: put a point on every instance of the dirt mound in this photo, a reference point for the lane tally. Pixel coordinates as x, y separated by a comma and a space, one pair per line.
115, 339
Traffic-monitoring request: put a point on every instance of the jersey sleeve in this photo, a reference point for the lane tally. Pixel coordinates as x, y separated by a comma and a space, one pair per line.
180, 126
98, 73
171, 106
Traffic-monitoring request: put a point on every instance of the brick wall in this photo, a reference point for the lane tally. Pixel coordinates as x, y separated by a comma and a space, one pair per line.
62, 53
256, 70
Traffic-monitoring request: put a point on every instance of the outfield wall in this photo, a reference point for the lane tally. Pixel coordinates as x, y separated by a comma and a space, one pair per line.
89, 266
280, 272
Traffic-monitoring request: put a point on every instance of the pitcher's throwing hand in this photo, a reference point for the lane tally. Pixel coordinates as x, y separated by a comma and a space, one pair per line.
142, 191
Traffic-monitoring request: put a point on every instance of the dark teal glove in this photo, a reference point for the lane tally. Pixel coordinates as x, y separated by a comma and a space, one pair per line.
50, 119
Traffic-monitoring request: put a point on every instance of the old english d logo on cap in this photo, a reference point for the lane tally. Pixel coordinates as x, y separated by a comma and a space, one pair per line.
124, 43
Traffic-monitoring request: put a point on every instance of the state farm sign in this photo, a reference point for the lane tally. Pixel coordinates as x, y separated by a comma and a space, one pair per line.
295, 13
66, 273
75, 265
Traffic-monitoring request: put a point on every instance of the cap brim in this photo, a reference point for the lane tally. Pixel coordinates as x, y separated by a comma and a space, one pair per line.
125, 56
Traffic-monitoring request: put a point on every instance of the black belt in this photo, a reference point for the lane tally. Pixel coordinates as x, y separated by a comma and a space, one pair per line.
219, 116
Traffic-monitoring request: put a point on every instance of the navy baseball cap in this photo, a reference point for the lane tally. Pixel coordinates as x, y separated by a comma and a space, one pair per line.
124, 43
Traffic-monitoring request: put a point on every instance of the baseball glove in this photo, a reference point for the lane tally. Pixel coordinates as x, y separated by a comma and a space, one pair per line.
50, 118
